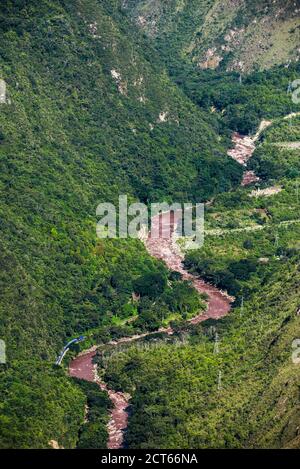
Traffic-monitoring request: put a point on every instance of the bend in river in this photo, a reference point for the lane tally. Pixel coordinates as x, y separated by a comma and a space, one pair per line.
219, 305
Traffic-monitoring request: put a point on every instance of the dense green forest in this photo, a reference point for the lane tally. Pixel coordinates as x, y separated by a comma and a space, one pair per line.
80, 126
231, 383
240, 99
93, 433
95, 109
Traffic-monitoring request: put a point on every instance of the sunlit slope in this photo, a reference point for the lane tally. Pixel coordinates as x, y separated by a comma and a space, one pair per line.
231, 34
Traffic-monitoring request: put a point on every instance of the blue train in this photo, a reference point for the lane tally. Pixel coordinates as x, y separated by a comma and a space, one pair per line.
66, 348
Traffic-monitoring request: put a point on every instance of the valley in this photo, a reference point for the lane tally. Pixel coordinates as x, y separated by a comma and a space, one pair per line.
162, 102
166, 249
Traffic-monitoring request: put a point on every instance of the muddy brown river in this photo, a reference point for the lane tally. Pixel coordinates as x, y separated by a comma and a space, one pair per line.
219, 304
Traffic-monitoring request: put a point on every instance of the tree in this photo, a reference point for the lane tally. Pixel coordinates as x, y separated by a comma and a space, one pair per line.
150, 284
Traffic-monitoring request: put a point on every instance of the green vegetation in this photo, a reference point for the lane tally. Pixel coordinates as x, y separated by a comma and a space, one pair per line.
229, 383
240, 255
93, 433
180, 398
189, 394
221, 34
278, 155
39, 404
236, 98
95, 109
81, 128
69, 143
241, 102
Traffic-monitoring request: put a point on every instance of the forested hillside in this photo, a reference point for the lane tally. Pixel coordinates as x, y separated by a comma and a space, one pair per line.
235, 385
89, 114
238, 42
231, 383
231, 35
188, 395
91, 108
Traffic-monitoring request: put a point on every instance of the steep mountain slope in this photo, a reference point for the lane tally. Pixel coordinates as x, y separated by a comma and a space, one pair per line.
86, 113
230, 34
215, 66
232, 383
90, 118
